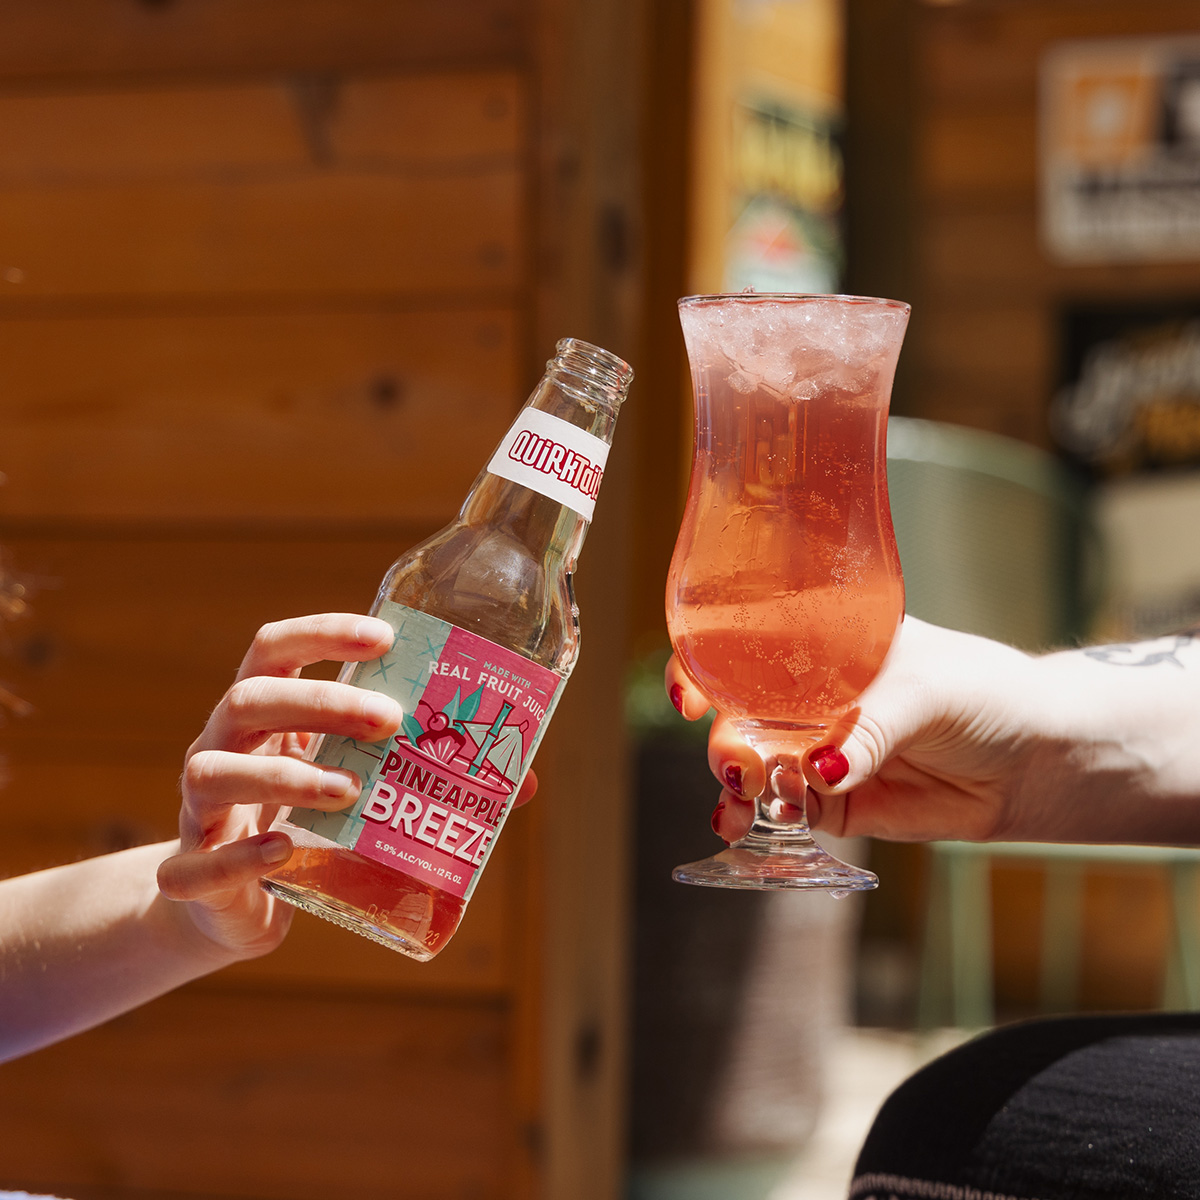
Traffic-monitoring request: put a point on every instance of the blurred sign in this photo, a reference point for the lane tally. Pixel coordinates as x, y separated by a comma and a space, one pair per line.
1120, 149
1147, 525
787, 179
1129, 412
1130, 400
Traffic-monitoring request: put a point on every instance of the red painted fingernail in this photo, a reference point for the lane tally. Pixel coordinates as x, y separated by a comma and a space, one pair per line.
677, 698
830, 763
733, 778
714, 821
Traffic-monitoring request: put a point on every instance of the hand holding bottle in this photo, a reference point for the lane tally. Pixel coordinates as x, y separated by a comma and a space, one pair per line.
248, 763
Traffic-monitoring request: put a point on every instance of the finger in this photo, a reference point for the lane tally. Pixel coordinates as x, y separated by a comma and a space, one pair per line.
529, 785
907, 804
827, 813
733, 816
733, 760
255, 708
284, 647
216, 780
691, 703
212, 874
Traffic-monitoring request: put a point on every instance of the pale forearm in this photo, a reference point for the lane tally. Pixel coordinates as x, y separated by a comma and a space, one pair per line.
84, 942
1119, 755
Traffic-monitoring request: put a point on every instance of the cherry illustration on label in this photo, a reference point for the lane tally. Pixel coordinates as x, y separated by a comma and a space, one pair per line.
487, 751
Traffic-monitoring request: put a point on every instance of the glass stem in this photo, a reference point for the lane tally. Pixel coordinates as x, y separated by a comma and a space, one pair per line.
779, 820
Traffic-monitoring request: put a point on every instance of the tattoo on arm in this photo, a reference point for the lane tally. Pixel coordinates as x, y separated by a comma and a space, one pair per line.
1145, 654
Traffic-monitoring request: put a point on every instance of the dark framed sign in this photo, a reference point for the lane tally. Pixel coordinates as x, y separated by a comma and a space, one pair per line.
1129, 399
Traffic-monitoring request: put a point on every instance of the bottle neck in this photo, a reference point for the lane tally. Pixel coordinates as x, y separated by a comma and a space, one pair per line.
584, 387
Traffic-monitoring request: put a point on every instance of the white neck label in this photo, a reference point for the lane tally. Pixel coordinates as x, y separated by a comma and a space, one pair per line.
551, 456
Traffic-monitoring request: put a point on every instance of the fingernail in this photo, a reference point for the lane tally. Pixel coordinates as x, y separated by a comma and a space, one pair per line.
715, 819
830, 763
275, 849
733, 778
335, 783
677, 698
372, 629
379, 710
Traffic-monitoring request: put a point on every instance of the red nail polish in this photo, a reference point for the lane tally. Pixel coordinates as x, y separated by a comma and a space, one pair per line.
830, 763
676, 694
714, 821
733, 778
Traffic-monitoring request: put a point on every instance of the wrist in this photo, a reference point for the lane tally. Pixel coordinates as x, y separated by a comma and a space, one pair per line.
1118, 757
172, 923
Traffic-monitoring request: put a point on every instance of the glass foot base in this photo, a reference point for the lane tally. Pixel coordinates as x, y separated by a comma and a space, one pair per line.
765, 869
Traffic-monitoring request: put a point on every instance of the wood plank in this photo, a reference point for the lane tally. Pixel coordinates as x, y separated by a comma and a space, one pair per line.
108, 37
59, 812
267, 126
971, 250
93, 809
983, 405
985, 153
132, 641
991, 49
975, 55
427, 119
323, 416
589, 180
289, 1096
1126, 927
1128, 930
1011, 345
318, 233
150, 131
968, 248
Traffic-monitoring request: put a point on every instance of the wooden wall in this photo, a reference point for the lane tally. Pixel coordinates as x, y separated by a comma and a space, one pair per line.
942, 194
273, 280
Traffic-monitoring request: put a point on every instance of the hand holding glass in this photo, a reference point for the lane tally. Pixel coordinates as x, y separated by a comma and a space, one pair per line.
785, 591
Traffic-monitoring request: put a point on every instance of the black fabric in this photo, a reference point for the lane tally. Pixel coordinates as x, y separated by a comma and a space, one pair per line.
1079, 1108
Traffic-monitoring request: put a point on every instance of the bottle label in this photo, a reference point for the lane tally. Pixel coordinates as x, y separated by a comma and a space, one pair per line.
436, 795
551, 456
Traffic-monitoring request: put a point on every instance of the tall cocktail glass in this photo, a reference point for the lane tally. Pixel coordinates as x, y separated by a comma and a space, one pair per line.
785, 591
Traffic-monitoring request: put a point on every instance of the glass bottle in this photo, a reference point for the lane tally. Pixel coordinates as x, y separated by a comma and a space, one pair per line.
487, 634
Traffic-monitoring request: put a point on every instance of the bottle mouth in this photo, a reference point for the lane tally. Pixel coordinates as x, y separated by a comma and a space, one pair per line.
602, 374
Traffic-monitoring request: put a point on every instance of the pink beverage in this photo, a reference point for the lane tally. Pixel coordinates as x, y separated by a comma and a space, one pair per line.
487, 633
785, 590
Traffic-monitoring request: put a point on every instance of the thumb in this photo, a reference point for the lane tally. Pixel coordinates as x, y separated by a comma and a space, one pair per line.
842, 793
894, 711
857, 746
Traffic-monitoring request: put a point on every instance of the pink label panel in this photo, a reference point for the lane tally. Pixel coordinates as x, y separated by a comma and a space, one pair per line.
446, 782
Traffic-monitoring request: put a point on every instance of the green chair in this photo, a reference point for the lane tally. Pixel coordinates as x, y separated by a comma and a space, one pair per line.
995, 539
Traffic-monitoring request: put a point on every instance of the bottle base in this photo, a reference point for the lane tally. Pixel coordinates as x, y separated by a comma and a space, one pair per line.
347, 917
